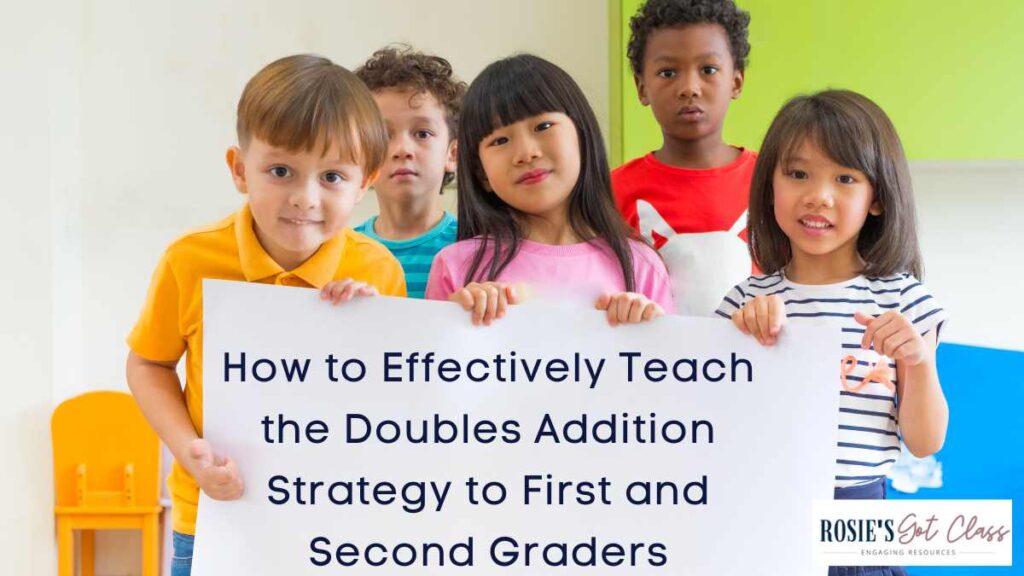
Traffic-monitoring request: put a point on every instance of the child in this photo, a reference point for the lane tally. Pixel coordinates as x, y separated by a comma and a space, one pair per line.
832, 226
689, 197
310, 140
420, 101
535, 204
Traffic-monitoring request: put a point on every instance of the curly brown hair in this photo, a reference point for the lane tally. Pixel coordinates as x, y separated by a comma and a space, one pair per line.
399, 67
658, 14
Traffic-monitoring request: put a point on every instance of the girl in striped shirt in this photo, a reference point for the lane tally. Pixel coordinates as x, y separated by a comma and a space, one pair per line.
832, 227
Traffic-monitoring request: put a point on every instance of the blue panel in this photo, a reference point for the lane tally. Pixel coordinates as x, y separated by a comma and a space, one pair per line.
983, 457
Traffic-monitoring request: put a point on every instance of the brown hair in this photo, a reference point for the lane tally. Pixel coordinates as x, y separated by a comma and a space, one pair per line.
854, 132
399, 67
303, 101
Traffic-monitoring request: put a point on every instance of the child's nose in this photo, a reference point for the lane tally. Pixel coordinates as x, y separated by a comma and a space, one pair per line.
401, 146
819, 195
306, 196
526, 151
688, 85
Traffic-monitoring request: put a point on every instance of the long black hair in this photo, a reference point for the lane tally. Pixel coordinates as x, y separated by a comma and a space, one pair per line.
507, 91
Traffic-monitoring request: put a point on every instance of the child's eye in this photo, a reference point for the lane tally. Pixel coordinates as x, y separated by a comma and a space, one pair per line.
667, 73
334, 177
846, 179
543, 126
709, 70
798, 174
500, 140
423, 134
280, 171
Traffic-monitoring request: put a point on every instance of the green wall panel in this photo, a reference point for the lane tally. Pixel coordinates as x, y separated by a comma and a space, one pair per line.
947, 72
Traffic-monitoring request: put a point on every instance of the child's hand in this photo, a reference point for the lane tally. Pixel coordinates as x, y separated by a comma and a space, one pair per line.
216, 475
486, 301
762, 318
338, 291
892, 334
628, 308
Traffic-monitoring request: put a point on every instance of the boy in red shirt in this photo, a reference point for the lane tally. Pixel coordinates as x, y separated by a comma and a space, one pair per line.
689, 197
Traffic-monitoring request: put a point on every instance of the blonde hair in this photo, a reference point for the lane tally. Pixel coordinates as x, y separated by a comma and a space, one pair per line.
303, 101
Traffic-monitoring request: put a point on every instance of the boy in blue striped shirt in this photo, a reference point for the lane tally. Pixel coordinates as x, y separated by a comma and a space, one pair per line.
420, 100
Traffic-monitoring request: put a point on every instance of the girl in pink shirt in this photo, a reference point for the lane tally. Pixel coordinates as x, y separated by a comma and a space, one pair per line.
536, 212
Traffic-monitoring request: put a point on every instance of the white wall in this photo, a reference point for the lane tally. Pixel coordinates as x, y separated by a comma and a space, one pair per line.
973, 247
115, 127
37, 104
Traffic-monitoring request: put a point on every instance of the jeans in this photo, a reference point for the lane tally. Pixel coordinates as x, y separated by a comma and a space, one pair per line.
872, 491
181, 564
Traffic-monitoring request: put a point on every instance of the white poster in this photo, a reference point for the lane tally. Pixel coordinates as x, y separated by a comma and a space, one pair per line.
390, 436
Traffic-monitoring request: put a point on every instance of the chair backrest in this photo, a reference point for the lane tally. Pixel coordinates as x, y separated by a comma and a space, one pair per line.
104, 452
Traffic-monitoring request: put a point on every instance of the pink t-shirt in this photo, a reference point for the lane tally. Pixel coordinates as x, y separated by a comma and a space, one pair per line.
577, 271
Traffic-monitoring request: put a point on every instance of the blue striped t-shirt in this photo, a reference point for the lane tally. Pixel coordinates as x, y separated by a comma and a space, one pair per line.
416, 254
869, 437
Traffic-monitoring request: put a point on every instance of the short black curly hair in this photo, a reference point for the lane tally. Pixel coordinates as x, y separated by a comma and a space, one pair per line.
658, 14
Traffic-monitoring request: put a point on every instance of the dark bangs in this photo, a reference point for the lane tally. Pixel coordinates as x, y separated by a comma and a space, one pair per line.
506, 92
854, 132
509, 91
844, 139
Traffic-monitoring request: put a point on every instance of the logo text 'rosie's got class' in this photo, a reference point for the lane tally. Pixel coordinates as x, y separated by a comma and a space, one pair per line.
910, 529
913, 532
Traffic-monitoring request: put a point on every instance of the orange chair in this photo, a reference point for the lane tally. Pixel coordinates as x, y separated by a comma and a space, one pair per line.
106, 468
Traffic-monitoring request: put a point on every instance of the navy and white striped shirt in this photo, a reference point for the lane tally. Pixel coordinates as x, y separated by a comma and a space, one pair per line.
869, 440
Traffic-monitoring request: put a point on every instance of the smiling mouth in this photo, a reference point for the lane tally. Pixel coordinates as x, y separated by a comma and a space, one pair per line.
301, 222
816, 223
533, 177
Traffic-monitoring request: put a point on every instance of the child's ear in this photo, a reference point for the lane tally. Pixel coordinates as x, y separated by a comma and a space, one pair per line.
737, 83
875, 209
237, 167
641, 89
451, 160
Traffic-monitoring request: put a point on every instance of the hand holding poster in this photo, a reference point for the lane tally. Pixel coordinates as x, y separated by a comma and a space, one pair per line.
391, 436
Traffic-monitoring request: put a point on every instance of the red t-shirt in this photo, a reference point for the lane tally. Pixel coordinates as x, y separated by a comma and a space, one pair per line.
697, 221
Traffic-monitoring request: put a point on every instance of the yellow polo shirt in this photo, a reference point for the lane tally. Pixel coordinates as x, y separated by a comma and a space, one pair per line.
171, 322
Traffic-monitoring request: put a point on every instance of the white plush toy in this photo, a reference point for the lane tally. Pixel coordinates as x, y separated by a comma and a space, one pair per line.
703, 266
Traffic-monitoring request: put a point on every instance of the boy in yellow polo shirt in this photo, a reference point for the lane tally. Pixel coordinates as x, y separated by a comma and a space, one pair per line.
310, 142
